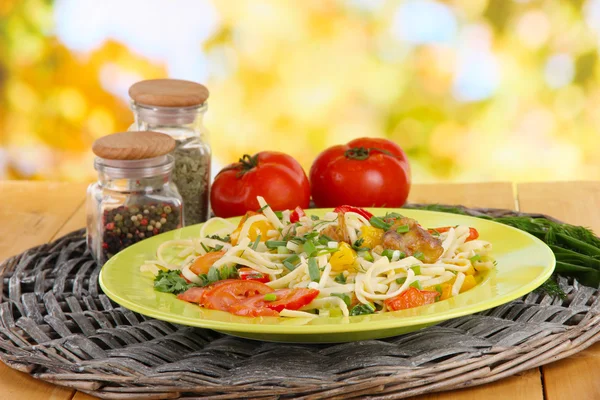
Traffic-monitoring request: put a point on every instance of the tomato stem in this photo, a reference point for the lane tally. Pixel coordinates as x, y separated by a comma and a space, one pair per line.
244, 164
362, 153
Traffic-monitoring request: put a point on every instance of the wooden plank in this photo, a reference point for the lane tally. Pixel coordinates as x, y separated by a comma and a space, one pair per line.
75, 222
15, 385
83, 396
32, 213
526, 386
577, 377
574, 202
491, 194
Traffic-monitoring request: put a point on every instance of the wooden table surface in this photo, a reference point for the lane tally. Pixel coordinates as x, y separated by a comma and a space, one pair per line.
37, 212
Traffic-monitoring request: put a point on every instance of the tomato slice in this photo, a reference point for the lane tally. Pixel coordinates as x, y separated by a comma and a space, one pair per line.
473, 234
231, 291
203, 263
358, 210
253, 307
248, 274
193, 295
196, 294
410, 298
297, 214
291, 299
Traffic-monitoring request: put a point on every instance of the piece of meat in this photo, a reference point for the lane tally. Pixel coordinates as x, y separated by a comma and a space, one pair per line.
338, 232
415, 240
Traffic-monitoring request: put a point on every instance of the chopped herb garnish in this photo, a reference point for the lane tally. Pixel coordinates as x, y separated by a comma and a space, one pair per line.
206, 249
226, 238
324, 239
273, 244
402, 229
262, 208
270, 297
344, 297
309, 248
228, 272
326, 251
419, 255
289, 265
388, 253
256, 242
311, 235
214, 274
313, 270
283, 250
171, 282
379, 223
314, 217
476, 257
366, 255
393, 215
279, 214
362, 309
400, 281
291, 262
417, 269
340, 278
434, 232
438, 288
416, 284
358, 245
298, 239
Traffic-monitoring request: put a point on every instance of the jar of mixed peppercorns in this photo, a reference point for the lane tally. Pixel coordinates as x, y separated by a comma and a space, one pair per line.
176, 107
134, 197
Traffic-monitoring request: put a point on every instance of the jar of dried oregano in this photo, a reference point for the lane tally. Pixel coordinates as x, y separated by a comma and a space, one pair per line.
176, 107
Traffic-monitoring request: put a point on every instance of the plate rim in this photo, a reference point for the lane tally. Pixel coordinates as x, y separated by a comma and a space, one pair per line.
359, 326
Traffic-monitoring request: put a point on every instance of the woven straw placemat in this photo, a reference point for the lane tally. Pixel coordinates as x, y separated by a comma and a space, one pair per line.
57, 325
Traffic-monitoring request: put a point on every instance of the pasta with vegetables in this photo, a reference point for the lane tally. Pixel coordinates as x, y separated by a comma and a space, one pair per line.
348, 262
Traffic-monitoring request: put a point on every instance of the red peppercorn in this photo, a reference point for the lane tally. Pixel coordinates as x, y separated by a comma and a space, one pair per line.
155, 231
110, 226
105, 245
163, 215
144, 222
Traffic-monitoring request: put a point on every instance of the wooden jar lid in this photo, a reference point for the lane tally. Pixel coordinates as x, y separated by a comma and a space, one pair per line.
168, 93
133, 145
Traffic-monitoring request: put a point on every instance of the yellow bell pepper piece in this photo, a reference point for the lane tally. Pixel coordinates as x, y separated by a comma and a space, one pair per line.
470, 271
258, 228
344, 258
371, 236
469, 283
446, 291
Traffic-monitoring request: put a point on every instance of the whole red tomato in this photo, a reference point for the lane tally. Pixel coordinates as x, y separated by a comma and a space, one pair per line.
275, 176
366, 172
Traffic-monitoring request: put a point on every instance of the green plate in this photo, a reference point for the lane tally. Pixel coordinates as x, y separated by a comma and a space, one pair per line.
524, 263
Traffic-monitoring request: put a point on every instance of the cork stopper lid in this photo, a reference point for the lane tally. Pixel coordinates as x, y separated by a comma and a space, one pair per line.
168, 93
133, 145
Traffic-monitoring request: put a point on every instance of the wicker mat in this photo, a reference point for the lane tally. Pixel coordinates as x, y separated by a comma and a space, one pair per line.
57, 325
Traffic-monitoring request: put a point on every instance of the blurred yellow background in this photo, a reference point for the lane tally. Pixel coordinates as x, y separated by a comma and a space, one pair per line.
471, 89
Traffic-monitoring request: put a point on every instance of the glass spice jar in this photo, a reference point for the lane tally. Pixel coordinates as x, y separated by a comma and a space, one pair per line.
134, 197
177, 107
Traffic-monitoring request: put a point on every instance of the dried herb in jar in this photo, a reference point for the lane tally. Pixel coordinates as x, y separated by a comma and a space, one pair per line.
192, 178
